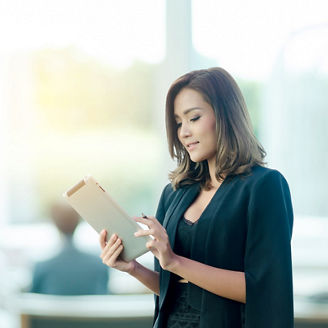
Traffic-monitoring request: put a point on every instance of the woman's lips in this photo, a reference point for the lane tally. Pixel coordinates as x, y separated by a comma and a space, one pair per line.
192, 145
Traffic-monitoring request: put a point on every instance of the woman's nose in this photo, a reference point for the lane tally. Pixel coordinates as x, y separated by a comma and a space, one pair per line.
185, 131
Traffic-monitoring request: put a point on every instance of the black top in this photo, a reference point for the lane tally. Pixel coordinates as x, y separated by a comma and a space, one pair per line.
247, 227
184, 236
183, 240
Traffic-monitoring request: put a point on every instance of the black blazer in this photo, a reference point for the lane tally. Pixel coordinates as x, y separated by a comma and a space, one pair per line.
246, 227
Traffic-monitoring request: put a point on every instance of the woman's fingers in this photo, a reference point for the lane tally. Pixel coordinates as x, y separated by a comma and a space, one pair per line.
102, 238
110, 251
149, 221
155, 228
146, 221
115, 255
109, 244
150, 244
142, 232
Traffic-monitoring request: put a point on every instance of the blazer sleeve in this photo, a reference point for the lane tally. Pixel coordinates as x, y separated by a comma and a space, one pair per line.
268, 265
160, 213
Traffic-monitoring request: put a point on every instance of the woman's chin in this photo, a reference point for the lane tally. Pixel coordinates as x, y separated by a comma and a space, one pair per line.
196, 159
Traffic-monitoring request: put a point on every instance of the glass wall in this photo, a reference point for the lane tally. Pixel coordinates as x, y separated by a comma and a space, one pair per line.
78, 97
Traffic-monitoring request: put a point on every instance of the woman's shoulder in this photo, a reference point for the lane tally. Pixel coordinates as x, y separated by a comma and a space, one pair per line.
169, 189
265, 172
169, 192
167, 197
261, 175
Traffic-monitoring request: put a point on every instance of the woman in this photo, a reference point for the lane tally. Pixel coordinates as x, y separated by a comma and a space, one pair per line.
222, 231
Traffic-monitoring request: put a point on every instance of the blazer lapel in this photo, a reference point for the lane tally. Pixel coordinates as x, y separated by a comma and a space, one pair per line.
177, 209
179, 205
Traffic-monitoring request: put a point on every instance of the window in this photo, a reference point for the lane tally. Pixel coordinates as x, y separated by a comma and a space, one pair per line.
78, 98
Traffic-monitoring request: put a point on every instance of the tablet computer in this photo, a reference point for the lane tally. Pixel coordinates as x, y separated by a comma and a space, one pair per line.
95, 206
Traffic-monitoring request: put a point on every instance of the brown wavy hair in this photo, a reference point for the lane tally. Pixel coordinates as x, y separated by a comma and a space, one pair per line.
238, 150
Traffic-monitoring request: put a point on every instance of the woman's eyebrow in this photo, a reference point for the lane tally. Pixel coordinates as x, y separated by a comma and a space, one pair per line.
188, 110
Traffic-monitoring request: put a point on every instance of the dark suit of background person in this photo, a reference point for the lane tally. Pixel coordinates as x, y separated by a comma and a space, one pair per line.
247, 226
71, 271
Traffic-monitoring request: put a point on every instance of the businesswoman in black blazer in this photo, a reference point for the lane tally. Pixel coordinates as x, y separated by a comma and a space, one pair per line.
222, 231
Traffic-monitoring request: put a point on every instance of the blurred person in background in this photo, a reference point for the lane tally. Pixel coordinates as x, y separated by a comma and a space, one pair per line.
71, 271
223, 227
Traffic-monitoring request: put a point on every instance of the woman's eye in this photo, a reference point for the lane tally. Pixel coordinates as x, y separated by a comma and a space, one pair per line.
195, 118
192, 119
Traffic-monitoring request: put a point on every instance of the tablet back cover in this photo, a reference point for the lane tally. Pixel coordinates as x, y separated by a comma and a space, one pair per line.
95, 206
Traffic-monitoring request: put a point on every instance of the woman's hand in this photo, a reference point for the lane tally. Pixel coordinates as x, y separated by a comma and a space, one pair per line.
160, 245
111, 251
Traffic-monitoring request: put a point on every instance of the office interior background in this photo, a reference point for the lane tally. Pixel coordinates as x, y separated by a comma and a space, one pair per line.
82, 91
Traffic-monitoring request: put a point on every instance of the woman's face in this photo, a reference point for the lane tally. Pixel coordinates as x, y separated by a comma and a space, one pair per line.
196, 125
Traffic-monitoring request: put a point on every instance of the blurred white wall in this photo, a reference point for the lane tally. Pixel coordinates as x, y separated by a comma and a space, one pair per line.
295, 118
